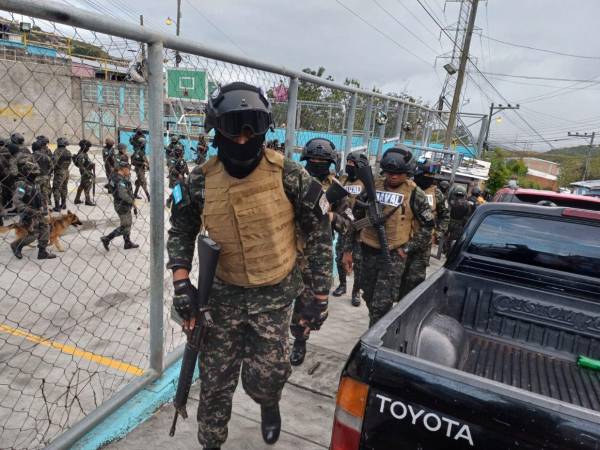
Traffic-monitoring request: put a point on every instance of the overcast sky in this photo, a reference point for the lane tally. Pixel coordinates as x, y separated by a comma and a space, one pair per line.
312, 33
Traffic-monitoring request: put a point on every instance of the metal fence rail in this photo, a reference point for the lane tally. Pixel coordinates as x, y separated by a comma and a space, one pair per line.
81, 334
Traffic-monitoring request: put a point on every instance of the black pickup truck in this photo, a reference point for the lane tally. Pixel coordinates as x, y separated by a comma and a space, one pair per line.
483, 354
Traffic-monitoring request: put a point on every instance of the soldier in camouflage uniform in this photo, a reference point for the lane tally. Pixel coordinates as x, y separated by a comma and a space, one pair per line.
170, 149
62, 161
460, 211
407, 206
46, 165
319, 155
141, 165
201, 150
87, 171
6, 178
121, 154
134, 140
249, 200
415, 269
123, 202
109, 158
178, 168
354, 187
29, 202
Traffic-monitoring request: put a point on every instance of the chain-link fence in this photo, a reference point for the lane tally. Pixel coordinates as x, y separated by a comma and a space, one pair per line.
77, 329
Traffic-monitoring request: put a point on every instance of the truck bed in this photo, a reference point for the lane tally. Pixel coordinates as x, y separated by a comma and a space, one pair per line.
533, 371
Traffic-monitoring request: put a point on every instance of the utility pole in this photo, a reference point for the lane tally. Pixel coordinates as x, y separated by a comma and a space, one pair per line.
495, 109
588, 158
178, 29
464, 57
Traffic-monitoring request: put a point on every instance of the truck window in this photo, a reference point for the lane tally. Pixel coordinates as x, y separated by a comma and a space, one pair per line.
563, 245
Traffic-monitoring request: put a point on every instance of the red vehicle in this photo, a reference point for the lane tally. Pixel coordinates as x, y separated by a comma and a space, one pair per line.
509, 195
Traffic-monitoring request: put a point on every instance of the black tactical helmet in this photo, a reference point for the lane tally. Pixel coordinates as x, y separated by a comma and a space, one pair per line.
4, 141
427, 167
36, 146
62, 142
174, 139
358, 158
27, 167
84, 144
398, 160
444, 185
141, 142
458, 190
476, 190
43, 140
236, 106
319, 148
17, 138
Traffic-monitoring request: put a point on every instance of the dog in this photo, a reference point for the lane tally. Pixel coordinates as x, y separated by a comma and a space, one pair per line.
58, 226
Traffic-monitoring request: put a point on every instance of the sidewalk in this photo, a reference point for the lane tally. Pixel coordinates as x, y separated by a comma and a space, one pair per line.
307, 404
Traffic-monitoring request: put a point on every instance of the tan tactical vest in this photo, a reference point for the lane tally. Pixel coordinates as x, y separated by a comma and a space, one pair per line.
399, 226
253, 222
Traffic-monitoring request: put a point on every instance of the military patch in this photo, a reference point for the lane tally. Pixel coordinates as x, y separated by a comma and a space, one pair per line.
353, 189
348, 214
427, 215
429, 199
390, 198
177, 194
324, 204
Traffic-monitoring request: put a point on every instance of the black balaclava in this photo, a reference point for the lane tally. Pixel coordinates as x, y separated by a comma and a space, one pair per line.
351, 172
318, 169
423, 181
239, 159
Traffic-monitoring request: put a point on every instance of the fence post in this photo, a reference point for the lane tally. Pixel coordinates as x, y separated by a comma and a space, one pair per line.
399, 117
349, 130
367, 124
405, 113
290, 130
380, 137
157, 220
427, 125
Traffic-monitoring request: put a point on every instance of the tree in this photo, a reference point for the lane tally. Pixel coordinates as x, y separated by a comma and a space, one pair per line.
517, 167
499, 173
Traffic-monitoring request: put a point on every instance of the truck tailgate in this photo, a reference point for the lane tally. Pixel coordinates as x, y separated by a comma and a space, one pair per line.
413, 406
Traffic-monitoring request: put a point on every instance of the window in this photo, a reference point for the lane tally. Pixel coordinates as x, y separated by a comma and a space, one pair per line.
557, 244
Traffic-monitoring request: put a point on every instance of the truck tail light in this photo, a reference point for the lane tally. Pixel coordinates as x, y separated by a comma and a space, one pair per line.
581, 213
349, 412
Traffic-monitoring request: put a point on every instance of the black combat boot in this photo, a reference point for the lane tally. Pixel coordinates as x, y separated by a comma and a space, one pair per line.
78, 196
106, 239
128, 243
63, 205
298, 352
341, 289
270, 423
45, 254
16, 249
56, 206
135, 193
355, 295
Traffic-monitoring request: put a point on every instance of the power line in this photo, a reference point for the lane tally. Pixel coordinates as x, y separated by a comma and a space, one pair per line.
531, 77
528, 47
405, 27
216, 27
358, 16
414, 16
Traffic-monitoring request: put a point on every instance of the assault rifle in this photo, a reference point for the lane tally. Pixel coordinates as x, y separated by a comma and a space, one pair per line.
375, 217
208, 255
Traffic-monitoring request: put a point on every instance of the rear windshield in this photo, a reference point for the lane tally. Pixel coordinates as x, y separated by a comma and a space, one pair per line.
564, 245
565, 202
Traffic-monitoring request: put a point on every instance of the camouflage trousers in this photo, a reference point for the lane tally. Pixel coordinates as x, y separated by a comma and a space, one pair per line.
356, 258
140, 180
59, 186
255, 343
380, 284
44, 183
415, 271
37, 228
125, 221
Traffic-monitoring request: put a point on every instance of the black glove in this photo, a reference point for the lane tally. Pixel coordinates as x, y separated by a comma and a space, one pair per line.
315, 313
185, 299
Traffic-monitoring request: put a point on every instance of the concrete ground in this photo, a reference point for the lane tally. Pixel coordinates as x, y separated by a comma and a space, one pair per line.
307, 405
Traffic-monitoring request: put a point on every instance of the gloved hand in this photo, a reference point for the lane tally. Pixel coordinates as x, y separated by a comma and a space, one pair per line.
314, 313
185, 298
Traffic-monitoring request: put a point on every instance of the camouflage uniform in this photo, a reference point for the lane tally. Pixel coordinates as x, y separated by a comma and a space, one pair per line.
140, 164
44, 161
123, 202
415, 270
62, 161
178, 169
251, 324
109, 159
86, 170
6, 180
381, 284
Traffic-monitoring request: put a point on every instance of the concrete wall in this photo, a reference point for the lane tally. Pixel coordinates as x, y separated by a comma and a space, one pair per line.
37, 98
